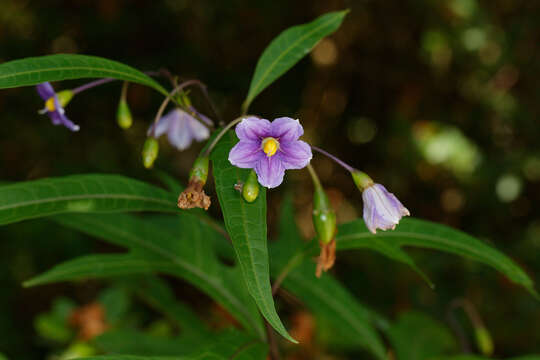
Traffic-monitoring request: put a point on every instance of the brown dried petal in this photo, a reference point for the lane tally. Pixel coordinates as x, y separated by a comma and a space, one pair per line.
326, 259
194, 197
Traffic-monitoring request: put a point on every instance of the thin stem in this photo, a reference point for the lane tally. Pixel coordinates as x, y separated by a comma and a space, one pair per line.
342, 163
123, 94
272, 343
221, 133
91, 85
169, 98
314, 177
291, 264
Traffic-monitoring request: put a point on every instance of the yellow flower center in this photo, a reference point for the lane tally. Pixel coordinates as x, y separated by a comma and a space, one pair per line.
270, 146
49, 104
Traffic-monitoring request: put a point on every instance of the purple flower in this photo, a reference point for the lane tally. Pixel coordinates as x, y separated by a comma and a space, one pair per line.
54, 105
181, 128
382, 210
270, 148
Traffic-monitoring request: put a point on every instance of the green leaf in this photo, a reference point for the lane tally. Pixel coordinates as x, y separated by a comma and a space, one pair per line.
80, 193
288, 48
181, 247
325, 297
425, 234
36, 70
416, 336
246, 224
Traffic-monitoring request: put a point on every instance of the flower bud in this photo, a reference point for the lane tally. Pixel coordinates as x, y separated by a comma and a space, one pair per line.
324, 217
123, 115
250, 189
64, 97
150, 152
483, 341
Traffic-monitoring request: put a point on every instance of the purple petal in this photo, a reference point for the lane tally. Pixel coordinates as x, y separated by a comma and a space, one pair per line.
295, 154
381, 208
179, 133
55, 117
253, 128
203, 117
163, 123
286, 129
270, 171
197, 130
246, 154
45, 90
59, 118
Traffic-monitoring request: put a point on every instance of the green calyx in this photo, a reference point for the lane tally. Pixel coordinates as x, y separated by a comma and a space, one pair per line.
324, 217
64, 97
361, 179
250, 189
123, 115
483, 341
199, 170
150, 152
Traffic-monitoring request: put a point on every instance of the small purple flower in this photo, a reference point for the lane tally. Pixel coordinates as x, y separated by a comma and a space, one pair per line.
53, 106
270, 148
181, 128
382, 210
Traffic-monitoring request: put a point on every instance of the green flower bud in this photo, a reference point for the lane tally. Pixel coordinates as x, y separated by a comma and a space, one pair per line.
483, 341
324, 217
150, 152
199, 171
123, 115
361, 179
250, 190
64, 97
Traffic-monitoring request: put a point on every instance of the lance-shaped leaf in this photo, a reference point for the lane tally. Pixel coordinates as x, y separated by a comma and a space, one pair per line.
329, 301
288, 48
181, 248
36, 70
80, 193
425, 234
246, 224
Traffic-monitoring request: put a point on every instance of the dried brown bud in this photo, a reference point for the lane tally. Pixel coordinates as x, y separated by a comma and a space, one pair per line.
90, 319
193, 196
326, 259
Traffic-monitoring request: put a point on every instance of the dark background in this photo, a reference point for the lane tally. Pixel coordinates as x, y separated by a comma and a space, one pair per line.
438, 100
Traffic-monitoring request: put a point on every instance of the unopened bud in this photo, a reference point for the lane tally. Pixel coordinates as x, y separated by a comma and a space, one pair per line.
324, 217
483, 341
123, 115
64, 97
361, 179
150, 152
250, 189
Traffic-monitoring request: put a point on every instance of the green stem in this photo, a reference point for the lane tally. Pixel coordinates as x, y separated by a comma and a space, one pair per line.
314, 177
222, 132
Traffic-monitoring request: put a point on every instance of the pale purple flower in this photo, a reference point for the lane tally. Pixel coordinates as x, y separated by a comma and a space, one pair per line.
382, 210
270, 148
53, 107
181, 129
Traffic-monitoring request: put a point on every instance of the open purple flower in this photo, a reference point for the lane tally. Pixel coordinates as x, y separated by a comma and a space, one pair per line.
270, 148
181, 129
382, 210
54, 105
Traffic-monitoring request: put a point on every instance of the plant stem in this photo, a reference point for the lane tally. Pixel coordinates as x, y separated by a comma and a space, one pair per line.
342, 163
314, 177
221, 133
91, 85
272, 343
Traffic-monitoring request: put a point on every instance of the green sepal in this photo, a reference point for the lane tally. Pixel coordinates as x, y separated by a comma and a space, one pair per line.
250, 189
361, 179
64, 97
150, 152
123, 115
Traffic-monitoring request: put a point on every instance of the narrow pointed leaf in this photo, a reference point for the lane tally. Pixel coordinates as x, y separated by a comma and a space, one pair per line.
80, 193
36, 70
288, 48
425, 234
246, 224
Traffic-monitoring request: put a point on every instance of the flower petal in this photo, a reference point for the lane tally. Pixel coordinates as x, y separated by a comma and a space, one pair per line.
270, 171
246, 154
163, 123
295, 154
179, 132
58, 118
197, 130
253, 128
286, 129
45, 90
381, 208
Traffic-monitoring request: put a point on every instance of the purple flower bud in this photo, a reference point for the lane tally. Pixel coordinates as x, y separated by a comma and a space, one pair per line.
382, 210
181, 129
54, 105
270, 148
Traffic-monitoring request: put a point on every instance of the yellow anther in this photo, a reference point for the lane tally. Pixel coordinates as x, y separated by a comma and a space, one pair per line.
270, 146
49, 104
